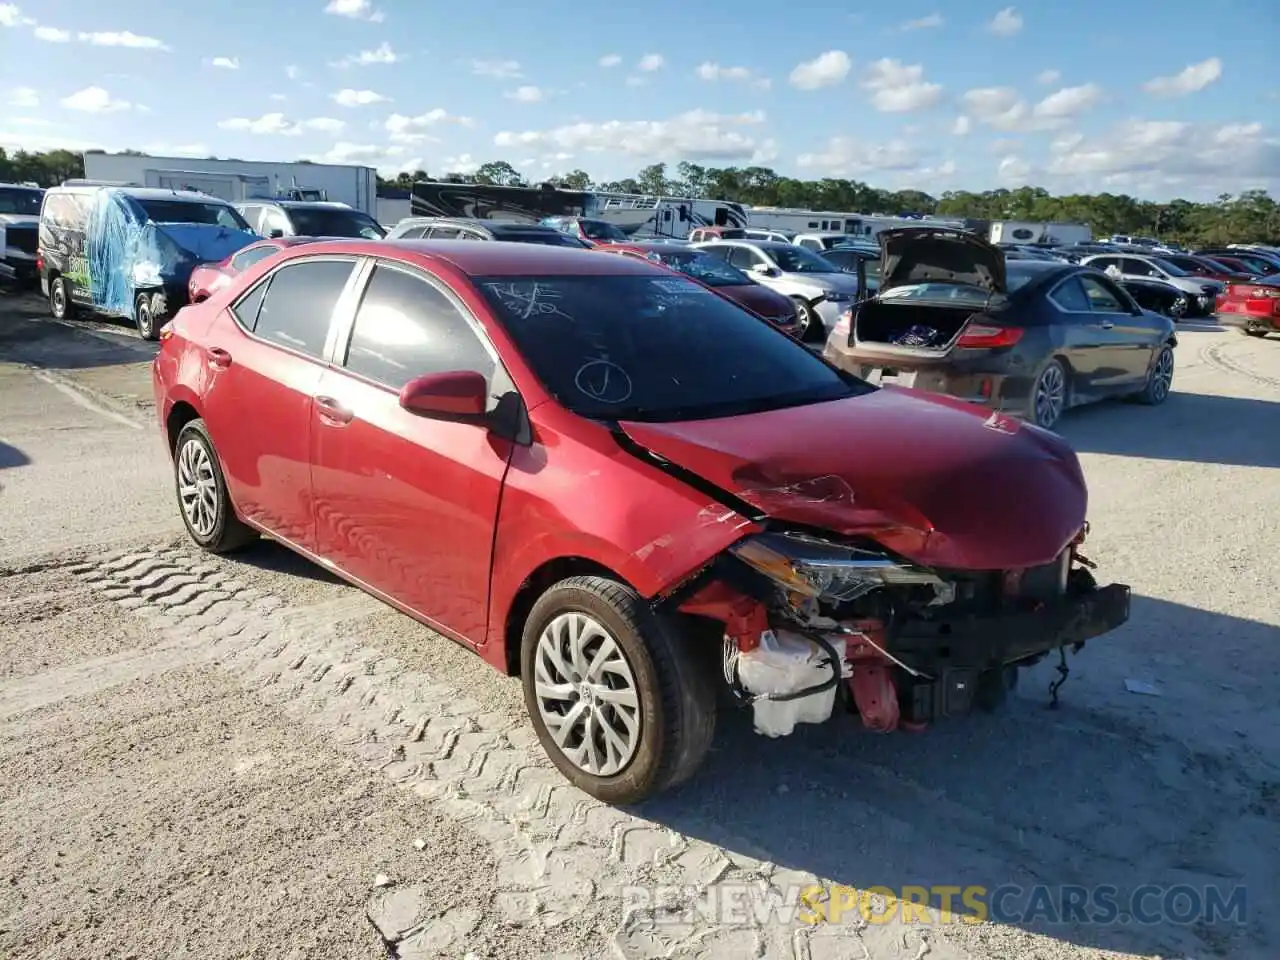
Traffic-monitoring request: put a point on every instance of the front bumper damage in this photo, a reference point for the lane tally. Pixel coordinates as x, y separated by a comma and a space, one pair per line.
901, 645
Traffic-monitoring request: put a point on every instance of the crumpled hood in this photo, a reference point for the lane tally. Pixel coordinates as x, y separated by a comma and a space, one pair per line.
935, 479
206, 242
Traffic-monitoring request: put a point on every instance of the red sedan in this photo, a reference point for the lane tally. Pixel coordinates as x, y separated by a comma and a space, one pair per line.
724, 279
1253, 306
626, 489
211, 277
1205, 267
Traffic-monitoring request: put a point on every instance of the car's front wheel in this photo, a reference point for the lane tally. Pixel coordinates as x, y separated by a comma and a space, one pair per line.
207, 512
812, 329
617, 699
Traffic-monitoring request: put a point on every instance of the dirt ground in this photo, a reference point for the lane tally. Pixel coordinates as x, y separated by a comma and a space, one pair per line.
244, 758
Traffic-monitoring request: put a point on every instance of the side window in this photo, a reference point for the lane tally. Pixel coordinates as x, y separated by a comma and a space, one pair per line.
1101, 299
246, 310
1102, 263
444, 233
809, 244
720, 252
413, 233
299, 304
405, 328
274, 219
1136, 268
251, 212
246, 259
1070, 296
470, 235
744, 258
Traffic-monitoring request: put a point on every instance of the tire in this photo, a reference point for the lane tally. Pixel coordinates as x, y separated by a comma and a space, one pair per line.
1046, 414
1159, 379
60, 305
195, 458
149, 314
1179, 309
674, 719
812, 329
992, 691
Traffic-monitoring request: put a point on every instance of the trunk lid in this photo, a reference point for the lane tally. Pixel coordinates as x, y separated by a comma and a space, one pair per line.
911, 255
934, 479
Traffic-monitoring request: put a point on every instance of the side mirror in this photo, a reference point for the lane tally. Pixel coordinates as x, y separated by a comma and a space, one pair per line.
762, 269
275, 234
456, 395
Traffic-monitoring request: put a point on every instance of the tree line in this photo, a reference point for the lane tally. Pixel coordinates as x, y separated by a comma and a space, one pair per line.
1249, 217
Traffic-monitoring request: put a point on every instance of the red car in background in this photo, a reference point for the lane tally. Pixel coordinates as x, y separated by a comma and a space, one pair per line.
605, 478
208, 278
1208, 267
1252, 306
724, 279
594, 232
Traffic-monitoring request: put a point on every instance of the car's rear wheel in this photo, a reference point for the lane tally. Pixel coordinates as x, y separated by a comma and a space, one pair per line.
1048, 396
812, 329
60, 305
1159, 378
205, 504
617, 700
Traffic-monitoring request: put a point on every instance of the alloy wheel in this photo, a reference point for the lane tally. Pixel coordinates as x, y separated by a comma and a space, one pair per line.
586, 694
198, 488
1050, 395
1162, 375
58, 296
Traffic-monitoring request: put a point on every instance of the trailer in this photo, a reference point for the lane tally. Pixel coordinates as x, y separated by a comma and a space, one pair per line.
638, 215
1020, 231
866, 226
237, 181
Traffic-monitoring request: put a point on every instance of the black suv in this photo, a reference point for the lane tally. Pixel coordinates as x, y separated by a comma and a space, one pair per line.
457, 228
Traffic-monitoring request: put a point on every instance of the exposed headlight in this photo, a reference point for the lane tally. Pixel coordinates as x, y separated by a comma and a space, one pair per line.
817, 568
836, 296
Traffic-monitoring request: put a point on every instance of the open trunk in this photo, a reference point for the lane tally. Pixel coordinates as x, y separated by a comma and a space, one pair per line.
928, 326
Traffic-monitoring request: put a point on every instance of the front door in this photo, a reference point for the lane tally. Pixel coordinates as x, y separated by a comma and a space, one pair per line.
405, 503
263, 372
1121, 356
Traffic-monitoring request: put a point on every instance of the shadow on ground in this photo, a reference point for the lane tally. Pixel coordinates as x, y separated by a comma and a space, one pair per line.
28, 335
1193, 427
11, 456
1021, 797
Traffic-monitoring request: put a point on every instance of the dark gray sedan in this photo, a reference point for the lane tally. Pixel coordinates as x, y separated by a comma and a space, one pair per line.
1029, 338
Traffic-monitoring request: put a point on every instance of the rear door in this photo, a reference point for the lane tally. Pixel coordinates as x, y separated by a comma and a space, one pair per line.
405, 503
263, 370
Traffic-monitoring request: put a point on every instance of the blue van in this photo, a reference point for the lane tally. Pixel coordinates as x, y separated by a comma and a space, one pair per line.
126, 251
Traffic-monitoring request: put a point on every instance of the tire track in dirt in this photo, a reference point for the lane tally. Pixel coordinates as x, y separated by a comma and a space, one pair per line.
1215, 355
563, 858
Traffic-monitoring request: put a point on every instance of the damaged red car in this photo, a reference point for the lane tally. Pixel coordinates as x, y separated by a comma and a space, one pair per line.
553, 458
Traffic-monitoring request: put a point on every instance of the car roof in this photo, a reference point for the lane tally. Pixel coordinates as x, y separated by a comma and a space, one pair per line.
641, 246
293, 204
146, 193
493, 259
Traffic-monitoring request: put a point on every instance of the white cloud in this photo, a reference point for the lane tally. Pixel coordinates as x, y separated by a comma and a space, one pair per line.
226, 63
367, 58
277, 124
896, 88
634, 81
1013, 169
1067, 103
497, 69
1006, 23
354, 10
94, 100
1046, 77
279, 97
292, 72
403, 129
849, 157
1184, 158
695, 135
463, 163
998, 107
713, 71
610, 60
962, 126
24, 98
52, 35
11, 16
526, 94
1195, 77
823, 70
650, 62
177, 149
357, 98
923, 23
121, 38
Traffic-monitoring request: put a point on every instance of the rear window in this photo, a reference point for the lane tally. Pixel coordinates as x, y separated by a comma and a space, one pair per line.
326, 222
655, 348
190, 211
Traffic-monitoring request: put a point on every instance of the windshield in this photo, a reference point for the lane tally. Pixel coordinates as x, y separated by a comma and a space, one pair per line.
600, 230
192, 211
938, 292
703, 267
1019, 272
798, 260
331, 222
20, 201
658, 349
848, 260
1169, 267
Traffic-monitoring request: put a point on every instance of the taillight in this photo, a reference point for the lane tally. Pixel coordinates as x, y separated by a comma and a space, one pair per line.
844, 324
40, 261
986, 336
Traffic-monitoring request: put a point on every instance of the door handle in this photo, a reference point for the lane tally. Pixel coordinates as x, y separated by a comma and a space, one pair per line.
219, 357
331, 410
1105, 324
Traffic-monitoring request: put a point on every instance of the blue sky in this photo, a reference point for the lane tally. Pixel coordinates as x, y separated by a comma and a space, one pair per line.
1157, 98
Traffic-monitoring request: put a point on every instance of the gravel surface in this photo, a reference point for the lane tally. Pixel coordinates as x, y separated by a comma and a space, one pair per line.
243, 757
